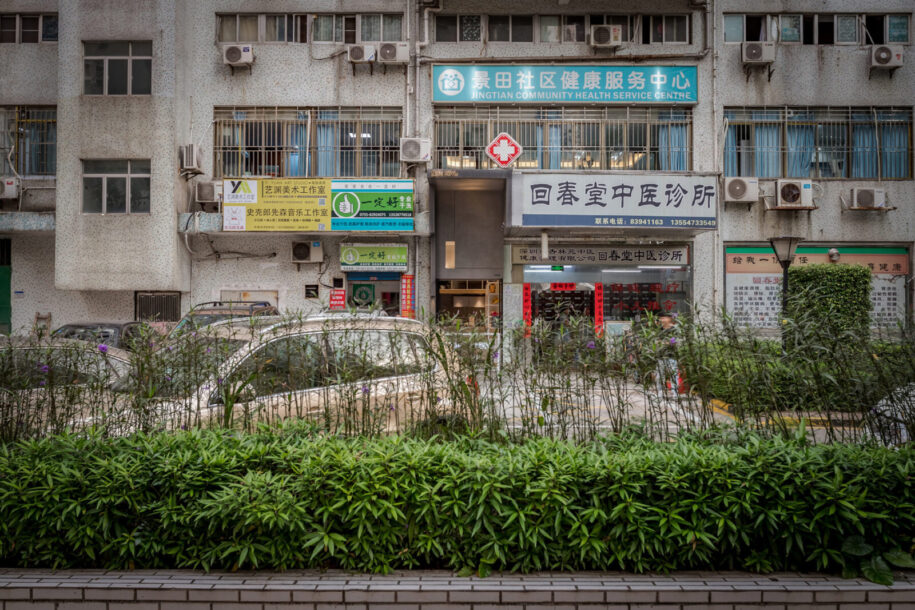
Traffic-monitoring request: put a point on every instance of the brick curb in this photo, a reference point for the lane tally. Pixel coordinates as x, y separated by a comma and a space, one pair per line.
439, 590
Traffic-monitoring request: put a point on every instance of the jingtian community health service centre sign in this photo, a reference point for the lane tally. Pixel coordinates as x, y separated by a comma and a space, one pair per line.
317, 204
539, 84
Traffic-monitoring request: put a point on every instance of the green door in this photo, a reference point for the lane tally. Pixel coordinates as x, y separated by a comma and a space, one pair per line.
6, 311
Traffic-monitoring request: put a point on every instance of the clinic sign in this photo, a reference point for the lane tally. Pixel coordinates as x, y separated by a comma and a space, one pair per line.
646, 201
552, 84
317, 205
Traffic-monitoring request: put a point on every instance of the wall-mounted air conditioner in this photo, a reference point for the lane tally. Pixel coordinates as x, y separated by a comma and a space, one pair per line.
757, 53
236, 55
741, 190
189, 158
868, 198
794, 193
9, 187
394, 53
307, 252
603, 36
360, 53
886, 56
208, 194
415, 150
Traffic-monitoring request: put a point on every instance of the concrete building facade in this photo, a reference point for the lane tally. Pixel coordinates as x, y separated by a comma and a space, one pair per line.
663, 143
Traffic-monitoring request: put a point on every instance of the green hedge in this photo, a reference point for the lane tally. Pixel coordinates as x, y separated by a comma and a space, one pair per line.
290, 499
834, 295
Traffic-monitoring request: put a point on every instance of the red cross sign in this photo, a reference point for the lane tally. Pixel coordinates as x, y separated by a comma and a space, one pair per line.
504, 150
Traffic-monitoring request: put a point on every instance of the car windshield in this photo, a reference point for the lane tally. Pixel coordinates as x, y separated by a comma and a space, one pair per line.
179, 369
100, 333
199, 320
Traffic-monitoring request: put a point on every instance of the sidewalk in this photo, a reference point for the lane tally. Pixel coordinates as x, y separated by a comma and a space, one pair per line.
440, 590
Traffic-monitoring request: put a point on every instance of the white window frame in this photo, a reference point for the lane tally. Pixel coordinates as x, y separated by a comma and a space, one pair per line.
129, 58
886, 28
104, 176
861, 38
649, 18
381, 16
292, 28
800, 30
41, 18
835, 33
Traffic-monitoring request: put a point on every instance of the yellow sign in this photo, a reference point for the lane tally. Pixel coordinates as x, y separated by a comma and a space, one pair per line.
293, 204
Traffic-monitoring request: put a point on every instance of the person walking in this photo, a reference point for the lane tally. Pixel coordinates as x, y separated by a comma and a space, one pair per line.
667, 356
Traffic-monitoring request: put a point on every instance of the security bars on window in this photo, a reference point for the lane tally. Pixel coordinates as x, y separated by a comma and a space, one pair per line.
307, 142
568, 138
30, 134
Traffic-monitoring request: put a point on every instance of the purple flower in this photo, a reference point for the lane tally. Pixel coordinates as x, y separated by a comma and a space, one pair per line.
44, 368
209, 349
103, 348
590, 345
219, 381
365, 389
184, 426
171, 348
42, 382
391, 407
673, 340
167, 378
152, 344
495, 355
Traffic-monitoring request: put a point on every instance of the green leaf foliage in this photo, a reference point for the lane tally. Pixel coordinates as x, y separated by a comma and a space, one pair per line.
291, 498
836, 295
900, 559
876, 570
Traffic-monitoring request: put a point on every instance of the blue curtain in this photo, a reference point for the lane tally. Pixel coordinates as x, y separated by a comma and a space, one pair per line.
297, 159
730, 147
672, 141
894, 145
554, 148
767, 132
801, 147
864, 146
327, 143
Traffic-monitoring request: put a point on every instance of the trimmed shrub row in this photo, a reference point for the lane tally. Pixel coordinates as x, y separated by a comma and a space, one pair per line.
289, 498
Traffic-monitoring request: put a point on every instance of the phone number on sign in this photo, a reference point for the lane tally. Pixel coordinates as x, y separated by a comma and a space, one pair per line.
692, 222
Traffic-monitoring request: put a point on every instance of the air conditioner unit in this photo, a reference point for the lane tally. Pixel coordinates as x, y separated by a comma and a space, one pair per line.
886, 56
307, 252
415, 150
189, 157
743, 190
868, 198
794, 193
394, 53
603, 36
9, 187
360, 53
208, 195
758, 52
238, 55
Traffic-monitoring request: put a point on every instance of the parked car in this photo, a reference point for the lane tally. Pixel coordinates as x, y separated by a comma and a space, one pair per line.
354, 374
204, 314
112, 334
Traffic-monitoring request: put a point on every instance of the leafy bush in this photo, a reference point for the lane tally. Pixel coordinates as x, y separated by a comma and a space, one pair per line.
833, 296
291, 498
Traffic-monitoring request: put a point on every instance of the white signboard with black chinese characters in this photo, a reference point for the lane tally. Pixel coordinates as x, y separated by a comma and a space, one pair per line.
659, 201
601, 255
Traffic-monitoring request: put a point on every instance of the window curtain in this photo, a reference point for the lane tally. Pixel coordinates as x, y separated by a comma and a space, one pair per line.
864, 146
767, 134
298, 158
730, 146
554, 139
673, 141
801, 147
326, 149
894, 144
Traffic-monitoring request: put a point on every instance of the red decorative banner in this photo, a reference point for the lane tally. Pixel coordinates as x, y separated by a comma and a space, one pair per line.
562, 286
338, 298
407, 297
599, 309
527, 309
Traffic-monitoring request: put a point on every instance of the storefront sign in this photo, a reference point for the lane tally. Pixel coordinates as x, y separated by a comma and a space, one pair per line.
539, 84
601, 255
527, 308
373, 257
338, 298
754, 281
562, 286
614, 201
317, 204
407, 297
599, 309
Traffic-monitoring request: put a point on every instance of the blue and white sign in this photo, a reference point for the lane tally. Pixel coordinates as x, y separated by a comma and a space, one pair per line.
614, 201
565, 84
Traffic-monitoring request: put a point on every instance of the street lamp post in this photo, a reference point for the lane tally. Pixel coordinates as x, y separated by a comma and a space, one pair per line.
784, 248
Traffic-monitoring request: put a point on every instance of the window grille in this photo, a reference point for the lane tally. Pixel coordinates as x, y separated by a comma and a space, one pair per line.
821, 143
157, 306
626, 138
30, 134
300, 142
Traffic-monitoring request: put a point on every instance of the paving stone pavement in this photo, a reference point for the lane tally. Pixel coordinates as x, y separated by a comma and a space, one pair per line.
441, 590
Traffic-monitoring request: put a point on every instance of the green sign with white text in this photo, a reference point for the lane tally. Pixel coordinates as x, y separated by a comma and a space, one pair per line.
373, 257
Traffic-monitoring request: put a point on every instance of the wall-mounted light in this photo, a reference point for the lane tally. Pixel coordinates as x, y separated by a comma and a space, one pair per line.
449, 255
834, 255
544, 246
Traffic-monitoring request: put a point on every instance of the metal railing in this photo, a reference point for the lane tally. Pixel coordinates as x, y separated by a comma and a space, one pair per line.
28, 141
628, 138
307, 142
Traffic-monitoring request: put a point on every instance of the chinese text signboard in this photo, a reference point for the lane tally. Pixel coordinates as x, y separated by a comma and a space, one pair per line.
661, 201
527, 310
599, 309
338, 298
754, 281
539, 84
317, 204
407, 296
623, 255
373, 257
